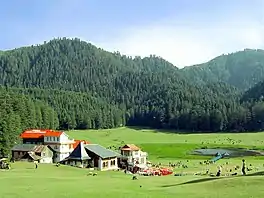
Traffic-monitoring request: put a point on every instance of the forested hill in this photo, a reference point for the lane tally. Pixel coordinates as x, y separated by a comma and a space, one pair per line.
254, 94
74, 65
88, 87
242, 69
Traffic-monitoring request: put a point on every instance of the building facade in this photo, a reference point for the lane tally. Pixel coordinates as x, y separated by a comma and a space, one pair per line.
101, 158
58, 141
32, 152
134, 154
78, 157
92, 156
107, 163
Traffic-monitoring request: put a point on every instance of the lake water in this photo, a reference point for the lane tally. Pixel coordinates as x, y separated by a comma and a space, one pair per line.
232, 152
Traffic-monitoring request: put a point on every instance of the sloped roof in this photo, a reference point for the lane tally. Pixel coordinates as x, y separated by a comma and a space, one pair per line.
76, 143
39, 148
23, 147
79, 153
101, 151
130, 147
39, 133
29, 147
34, 156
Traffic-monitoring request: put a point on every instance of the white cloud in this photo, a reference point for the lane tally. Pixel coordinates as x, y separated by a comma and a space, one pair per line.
194, 36
188, 44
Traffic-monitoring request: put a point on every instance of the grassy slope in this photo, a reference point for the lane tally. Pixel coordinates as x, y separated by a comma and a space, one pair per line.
49, 181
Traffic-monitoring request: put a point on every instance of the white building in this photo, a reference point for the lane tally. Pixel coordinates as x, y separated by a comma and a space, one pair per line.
61, 144
92, 156
58, 141
103, 159
134, 155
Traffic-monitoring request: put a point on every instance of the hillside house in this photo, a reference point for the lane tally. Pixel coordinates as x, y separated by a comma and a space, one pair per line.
102, 158
78, 157
32, 152
58, 141
132, 156
92, 156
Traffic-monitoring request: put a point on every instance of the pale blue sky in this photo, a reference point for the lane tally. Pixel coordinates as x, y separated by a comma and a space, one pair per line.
184, 32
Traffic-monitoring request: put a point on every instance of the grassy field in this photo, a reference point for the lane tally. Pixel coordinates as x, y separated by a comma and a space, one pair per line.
23, 181
165, 145
137, 136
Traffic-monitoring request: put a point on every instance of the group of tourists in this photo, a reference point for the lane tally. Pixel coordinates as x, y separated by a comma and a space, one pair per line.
243, 169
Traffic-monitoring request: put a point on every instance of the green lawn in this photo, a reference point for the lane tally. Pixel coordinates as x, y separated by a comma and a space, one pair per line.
23, 181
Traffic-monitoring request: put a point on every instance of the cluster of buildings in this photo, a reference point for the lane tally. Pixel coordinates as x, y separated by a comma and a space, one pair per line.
48, 146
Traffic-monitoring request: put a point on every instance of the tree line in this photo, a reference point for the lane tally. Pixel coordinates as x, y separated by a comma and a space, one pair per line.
19, 112
70, 84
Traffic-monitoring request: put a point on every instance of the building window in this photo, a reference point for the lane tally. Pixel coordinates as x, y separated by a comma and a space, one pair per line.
136, 153
113, 162
105, 164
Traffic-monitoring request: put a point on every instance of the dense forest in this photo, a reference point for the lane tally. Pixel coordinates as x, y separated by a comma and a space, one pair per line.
243, 69
18, 112
71, 84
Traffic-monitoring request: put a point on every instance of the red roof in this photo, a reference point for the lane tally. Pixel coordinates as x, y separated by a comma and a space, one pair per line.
76, 142
39, 133
130, 147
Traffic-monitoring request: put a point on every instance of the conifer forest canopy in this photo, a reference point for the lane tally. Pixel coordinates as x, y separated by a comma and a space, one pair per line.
71, 84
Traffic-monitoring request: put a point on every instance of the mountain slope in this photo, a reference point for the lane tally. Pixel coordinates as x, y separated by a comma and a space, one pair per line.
91, 88
64, 63
242, 69
255, 93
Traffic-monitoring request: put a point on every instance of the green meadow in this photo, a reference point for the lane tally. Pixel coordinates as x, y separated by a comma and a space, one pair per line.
23, 181
168, 144
137, 136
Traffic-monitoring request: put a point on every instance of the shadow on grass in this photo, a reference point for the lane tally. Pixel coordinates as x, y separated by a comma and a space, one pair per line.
192, 182
261, 173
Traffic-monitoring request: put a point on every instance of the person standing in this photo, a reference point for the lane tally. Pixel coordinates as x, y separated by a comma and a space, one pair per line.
243, 167
218, 174
36, 164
